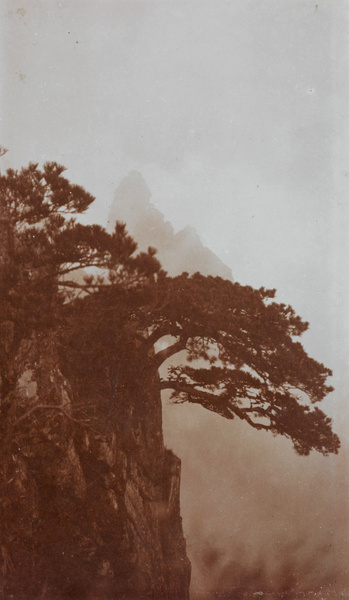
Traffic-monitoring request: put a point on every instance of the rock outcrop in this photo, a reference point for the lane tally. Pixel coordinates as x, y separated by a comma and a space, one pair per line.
177, 252
86, 512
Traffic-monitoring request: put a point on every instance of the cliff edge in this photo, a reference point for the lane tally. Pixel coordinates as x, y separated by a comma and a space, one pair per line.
86, 513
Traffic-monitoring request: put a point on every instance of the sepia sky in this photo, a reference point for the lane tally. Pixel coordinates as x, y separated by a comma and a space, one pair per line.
234, 112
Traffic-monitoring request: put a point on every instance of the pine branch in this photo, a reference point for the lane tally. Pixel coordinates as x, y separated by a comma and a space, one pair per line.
213, 402
166, 353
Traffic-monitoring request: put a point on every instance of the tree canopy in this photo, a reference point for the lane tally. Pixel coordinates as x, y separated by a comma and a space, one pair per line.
43, 247
237, 350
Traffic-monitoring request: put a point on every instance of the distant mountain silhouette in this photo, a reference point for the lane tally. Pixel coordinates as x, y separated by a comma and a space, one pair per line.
177, 252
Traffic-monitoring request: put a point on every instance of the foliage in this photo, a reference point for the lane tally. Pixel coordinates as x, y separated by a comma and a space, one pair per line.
44, 249
47, 261
238, 353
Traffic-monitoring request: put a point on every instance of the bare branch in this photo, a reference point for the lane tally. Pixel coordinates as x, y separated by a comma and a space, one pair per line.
48, 407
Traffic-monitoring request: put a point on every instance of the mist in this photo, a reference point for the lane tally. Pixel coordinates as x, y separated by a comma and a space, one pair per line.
256, 515
235, 116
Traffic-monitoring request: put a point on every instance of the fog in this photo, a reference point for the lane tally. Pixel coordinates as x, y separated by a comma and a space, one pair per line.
256, 516
234, 117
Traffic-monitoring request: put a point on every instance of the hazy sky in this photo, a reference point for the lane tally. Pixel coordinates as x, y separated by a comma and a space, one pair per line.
236, 114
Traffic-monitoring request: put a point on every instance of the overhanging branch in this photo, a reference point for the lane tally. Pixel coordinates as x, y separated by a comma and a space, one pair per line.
164, 354
213, 402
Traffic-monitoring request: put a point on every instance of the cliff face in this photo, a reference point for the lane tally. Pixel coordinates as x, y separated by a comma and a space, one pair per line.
85, 513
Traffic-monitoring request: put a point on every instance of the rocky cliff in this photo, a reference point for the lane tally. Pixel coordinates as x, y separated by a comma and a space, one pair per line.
87, 512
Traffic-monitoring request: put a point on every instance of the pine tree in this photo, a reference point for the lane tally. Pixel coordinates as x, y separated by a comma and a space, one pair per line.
235, 352
240, 349
79, 301
43, 249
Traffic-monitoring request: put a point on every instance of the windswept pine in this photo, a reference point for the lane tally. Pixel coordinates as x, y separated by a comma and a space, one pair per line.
89, 494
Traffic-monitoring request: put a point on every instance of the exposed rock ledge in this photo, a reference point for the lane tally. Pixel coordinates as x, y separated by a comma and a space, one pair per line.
85, 515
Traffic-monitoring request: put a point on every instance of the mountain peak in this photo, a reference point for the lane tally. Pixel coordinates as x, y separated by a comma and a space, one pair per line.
177, 252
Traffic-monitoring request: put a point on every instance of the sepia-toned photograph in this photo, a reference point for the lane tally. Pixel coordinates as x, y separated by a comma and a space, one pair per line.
174, 300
